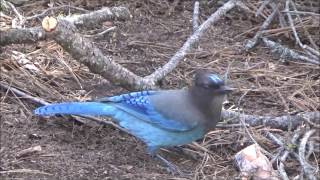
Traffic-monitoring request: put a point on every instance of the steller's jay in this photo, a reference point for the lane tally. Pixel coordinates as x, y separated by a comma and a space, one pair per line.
161, 118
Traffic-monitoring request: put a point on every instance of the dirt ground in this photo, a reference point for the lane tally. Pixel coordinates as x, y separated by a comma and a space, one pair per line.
71, 150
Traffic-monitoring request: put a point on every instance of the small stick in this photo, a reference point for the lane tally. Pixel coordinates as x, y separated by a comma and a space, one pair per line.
298, 41
195, 17
20, 17
307, 168
44, 13
286, 52
24, 95
252, 42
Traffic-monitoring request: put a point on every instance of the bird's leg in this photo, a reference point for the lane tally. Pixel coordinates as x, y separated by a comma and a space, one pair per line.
153, 151
181, 150
170, 166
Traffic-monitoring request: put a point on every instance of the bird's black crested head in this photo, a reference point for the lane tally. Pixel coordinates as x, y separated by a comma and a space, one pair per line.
208, 80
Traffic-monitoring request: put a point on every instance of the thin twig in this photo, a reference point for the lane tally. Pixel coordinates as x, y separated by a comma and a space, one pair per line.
315, 125
20, 17
262, 6
100, 34
28, 171
315, 46
286, 52
46, 12
195, 17
298, 41
307, 168
301, 12
282, 158
24, 95
282, 20
253, 42
193, 39
282, 170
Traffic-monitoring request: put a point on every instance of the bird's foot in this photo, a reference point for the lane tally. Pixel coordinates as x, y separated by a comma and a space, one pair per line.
170, 166
182, 150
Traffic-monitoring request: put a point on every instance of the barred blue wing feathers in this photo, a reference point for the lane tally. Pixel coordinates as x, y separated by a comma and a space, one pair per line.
138, 104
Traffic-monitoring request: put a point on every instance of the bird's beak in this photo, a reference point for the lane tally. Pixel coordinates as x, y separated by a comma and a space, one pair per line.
226, 89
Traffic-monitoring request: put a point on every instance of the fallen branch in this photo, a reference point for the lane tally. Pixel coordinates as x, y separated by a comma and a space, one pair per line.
254, 41
195, 16
64, 32
281, 122
22, 35
292, 148
312, 52
287, 150
310, 55
286, 52
28, 171
100, 16
85, 51
193, 39
307, 168
34, 34
46, 12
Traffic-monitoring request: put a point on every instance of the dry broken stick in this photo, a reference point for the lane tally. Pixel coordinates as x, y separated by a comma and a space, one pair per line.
286, 148
193, 39
85, 51
46, 12
19, 21
254, 41
308, 49
34, 34
21, 35
281, 122
307, 168
312, 55
286, 52
100, 16
195, 16
315, 46
291, 148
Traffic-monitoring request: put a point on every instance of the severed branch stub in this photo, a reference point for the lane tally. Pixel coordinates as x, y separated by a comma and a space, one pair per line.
49, 24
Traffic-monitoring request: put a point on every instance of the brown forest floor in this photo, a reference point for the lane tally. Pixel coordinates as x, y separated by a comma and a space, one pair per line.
74, 151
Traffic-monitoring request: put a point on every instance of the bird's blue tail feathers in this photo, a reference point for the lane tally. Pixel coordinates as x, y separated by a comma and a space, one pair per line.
77, 108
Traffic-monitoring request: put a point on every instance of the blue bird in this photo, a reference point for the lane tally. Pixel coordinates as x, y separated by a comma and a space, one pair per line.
161, 118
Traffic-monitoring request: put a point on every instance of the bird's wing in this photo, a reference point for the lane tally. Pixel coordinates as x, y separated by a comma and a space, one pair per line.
138, 104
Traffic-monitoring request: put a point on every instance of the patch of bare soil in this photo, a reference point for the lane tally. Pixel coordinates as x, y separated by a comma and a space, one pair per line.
70, 150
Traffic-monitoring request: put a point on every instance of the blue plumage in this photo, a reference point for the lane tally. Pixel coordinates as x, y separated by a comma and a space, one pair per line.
159, 118
134, 112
